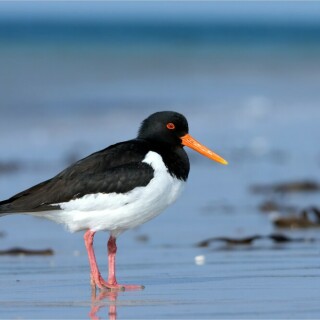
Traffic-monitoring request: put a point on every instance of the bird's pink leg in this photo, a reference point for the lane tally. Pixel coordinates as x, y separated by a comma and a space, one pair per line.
112, 250
96, 278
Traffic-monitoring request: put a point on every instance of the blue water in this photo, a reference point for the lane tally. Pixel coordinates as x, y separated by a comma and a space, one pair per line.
250, 89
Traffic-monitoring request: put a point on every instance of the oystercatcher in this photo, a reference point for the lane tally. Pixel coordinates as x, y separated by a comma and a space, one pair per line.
117, 188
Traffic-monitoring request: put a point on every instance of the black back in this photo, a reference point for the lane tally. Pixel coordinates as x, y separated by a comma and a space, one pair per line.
118, 168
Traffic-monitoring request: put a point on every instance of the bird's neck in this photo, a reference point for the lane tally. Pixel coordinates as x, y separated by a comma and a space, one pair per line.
175, 159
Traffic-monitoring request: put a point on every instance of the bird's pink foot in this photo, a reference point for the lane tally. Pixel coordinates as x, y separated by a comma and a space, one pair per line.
104, 285
120, 287
131, 287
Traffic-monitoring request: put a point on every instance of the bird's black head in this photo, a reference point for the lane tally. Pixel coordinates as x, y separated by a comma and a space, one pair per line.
166, 127
169, 128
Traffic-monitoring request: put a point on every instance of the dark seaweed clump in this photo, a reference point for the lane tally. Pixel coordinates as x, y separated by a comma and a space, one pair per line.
276, 238
27, 252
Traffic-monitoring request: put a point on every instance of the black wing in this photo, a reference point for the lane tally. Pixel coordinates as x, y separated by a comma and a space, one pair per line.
118, 168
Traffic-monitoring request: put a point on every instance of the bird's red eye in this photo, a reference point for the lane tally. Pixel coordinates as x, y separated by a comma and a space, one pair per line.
170, 126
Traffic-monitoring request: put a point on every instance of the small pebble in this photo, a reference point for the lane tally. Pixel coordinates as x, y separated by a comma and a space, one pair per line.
200, 260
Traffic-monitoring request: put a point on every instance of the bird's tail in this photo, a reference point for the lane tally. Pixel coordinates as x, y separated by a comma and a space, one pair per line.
4, 208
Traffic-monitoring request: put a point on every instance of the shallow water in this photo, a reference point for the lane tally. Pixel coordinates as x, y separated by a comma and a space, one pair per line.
255, 101
264, 281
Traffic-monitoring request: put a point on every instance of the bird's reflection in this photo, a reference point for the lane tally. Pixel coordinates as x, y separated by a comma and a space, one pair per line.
103, 299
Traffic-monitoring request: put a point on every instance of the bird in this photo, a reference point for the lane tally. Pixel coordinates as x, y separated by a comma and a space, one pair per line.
117, 188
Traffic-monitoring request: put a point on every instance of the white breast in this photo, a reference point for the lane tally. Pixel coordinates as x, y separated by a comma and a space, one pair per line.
119, 212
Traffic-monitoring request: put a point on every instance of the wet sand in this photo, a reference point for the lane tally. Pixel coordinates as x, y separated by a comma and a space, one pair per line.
183, 281
262, 282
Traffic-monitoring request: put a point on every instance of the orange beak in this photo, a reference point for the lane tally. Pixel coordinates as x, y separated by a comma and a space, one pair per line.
192, 143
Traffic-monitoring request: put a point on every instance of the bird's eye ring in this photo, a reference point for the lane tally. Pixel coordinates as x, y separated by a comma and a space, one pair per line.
171, 126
